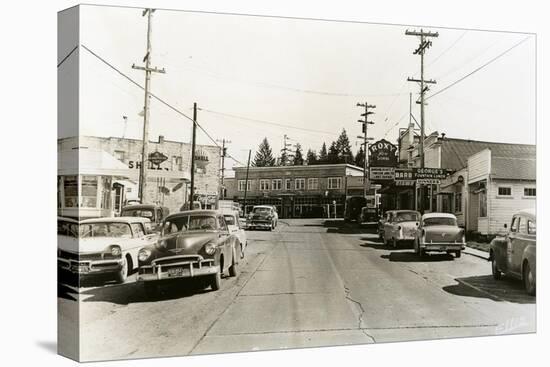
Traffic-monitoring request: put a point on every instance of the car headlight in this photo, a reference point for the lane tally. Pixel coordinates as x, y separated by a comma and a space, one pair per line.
144, 254
116, 251
210, 248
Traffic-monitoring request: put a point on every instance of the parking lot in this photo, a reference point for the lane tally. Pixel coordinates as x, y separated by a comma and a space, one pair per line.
311, 282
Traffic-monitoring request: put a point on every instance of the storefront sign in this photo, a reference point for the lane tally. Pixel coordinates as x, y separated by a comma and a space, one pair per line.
431, 173
409, 183
382, 173
382, 154
405, 174
428, 181
157, 158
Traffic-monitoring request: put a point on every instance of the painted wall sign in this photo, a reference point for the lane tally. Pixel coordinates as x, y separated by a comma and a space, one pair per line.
382, 154
382, 173
157, 158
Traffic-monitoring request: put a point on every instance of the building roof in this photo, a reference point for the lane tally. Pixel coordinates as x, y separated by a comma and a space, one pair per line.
513, 168
455, 152
89, 162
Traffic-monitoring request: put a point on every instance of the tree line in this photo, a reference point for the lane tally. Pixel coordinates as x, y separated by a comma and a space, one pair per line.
339, 151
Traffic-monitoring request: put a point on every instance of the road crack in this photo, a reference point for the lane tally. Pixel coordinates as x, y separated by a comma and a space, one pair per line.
360, 317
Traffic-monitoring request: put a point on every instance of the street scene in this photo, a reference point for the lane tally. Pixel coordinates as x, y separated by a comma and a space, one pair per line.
261, 188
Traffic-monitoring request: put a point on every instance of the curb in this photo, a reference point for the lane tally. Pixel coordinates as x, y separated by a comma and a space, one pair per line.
477, 253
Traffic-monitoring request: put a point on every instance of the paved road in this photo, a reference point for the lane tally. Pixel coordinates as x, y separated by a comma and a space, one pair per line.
309, 283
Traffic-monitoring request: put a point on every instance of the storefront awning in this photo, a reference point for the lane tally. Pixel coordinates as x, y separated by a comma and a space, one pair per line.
89, 162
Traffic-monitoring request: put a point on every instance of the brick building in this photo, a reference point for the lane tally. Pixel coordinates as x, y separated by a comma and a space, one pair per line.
168, 182
297, 191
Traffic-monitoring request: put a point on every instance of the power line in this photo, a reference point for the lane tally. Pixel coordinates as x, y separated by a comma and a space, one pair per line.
68, 55
448, 48
479, 68
151, 94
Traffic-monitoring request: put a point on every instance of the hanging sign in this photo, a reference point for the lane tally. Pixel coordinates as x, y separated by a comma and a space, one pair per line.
382, 173
382, 154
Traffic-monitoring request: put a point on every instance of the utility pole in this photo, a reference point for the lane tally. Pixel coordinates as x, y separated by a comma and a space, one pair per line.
193, 145
285, 156
365, 123
224, 152
246, 181
421, 50
148, 70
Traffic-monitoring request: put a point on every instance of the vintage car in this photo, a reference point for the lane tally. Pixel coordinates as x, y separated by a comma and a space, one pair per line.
155, 213
262, 216
399, 226
515, 254
192, 244
101, 246
234, 225
352, 211
369, 215
439, 232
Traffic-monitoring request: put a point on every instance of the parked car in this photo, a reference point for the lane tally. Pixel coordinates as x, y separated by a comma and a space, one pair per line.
369, 215
193, 244
101, 246
439, 232
155, 213
353, 208
399, 226
515, 254
234, 225
262, 216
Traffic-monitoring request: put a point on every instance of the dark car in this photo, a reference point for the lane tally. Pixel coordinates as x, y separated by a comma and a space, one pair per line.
155, 213
262, 216
192, 244
515, 255
354, 204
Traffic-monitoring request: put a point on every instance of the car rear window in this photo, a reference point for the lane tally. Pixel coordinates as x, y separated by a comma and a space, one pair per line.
406, 217
439, 221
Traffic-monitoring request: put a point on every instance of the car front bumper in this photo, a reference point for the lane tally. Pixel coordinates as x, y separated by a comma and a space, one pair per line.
86, 268
178, 267
259, 225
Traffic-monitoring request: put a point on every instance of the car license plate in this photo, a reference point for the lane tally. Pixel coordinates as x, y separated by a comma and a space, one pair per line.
178, 272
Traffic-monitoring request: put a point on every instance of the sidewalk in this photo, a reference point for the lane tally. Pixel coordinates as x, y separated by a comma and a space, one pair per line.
470, 250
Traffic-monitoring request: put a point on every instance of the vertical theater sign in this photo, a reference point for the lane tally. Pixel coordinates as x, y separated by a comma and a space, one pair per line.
382, 161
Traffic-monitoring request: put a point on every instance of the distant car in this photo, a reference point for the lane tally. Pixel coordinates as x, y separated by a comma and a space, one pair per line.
399, 226
155, 213
234, 225
262, 216
515, 254
369, 215
439, 232
193, 244
353, 208
101, 246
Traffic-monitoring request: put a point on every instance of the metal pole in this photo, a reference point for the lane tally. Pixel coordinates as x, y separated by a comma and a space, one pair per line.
246, 182
193, 144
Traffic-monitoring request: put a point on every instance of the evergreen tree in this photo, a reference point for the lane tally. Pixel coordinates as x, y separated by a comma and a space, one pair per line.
298, 158
323, 155
360, 157
311, 157
264, 156
343, 147
332, 156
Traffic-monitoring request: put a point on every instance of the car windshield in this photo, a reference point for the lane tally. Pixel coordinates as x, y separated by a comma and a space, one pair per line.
189, 223
105, 229
229, 220
144, 213
406, 217
261, 210
65, 228
439, 221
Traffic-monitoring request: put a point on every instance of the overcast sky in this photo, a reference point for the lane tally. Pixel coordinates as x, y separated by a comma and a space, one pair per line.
303, 73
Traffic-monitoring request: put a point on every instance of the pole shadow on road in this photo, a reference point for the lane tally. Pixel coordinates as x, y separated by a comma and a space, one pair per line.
410, 256
125, 294
485, 286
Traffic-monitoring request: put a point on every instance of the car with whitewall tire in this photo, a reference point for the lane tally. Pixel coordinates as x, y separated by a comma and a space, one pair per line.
399, 227
439, 232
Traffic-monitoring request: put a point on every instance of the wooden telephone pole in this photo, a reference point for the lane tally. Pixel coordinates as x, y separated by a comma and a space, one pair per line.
224, 153
424, 45
365, 123
148, 70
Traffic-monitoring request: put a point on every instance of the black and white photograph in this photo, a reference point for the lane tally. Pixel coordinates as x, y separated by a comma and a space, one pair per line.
278, 183
237, 184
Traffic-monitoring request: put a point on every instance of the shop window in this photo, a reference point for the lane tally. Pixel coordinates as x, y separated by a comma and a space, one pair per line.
530, 192
334, 183
70, 188
458, 202
483, 204
300, 184
504, 191
89, 191
313, 184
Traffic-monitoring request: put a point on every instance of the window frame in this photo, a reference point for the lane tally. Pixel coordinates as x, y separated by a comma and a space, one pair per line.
264, 184
248, 185
315, 186
504, 195
525, 195
302, 181
275, 187
330, 181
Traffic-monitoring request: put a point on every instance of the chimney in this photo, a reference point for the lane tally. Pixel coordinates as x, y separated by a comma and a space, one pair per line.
161, 139
442, 136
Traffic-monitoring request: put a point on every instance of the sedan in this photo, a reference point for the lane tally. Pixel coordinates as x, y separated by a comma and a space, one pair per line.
439, 232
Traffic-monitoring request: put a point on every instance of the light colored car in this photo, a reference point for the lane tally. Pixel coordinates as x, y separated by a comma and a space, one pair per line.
399, 226
234, 225
515, 254
102, 246
439, 232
